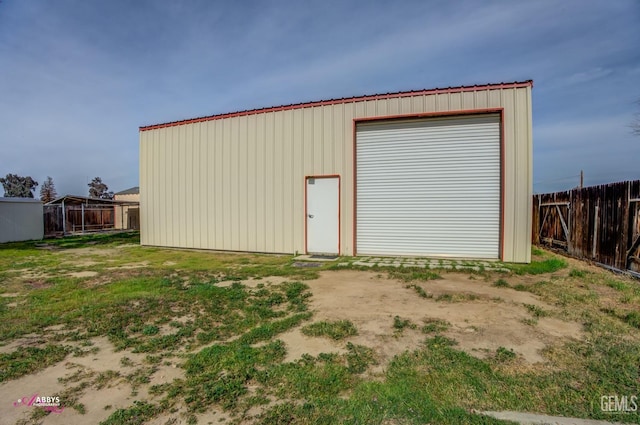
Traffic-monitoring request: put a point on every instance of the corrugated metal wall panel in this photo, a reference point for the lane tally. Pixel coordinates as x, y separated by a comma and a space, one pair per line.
208, 171
286, 179
429, 187
510, 209
257, 172
524, 158
20, 219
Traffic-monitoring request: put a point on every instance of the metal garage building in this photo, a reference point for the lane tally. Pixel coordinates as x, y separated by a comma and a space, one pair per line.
441, 172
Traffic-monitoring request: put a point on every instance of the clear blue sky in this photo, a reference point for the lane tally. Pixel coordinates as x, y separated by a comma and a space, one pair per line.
78, 77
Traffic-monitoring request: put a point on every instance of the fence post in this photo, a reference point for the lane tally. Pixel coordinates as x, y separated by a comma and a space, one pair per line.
595, 230
64, 219
570, 232
539, 226
624, 242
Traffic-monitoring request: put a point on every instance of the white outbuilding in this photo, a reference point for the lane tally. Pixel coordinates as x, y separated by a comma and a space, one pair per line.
21, 219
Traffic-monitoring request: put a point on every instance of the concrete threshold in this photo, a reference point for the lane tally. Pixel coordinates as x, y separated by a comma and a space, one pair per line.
316, 258
534, 419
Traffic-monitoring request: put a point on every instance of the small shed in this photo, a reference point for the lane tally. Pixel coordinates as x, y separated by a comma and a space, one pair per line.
444, 172
128, 215
81, 214
20, 219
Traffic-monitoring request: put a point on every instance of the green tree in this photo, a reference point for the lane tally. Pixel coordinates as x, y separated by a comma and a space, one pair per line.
97, 189
18, 187
48, 191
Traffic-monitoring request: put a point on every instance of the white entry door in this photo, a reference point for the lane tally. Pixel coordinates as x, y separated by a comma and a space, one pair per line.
323, 215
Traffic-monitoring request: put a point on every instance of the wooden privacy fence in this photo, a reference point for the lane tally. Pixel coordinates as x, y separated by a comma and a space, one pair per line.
600, 223
53, 220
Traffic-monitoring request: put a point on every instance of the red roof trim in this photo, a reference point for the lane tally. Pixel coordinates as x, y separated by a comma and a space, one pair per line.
500, 86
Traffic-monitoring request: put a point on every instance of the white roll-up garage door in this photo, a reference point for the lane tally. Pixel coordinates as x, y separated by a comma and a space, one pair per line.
429, 187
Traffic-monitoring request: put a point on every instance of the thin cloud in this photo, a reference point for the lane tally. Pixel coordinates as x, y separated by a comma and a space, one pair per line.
80, 77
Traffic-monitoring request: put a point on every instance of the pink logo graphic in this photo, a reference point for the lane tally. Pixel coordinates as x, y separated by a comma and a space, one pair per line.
50, 404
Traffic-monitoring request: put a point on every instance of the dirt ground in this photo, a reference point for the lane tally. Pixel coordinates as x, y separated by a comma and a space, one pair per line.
481, 319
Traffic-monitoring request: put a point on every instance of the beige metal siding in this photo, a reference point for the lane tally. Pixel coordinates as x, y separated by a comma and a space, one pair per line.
248, 194
121, 219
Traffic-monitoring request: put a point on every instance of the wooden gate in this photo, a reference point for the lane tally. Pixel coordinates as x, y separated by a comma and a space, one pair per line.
601, 223
53, 217
556, 220
633, 254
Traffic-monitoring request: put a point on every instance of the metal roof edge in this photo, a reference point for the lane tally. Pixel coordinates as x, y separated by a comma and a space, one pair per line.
135, 190
18, 199
85, 199
459, 89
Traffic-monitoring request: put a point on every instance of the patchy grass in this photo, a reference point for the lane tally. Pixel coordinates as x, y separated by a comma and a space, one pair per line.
150, 330
105, 378
139, 413
434, 326
456, 297
419, 290
359, 358
501, 283
337, 330
200, 308
504, 355
548, 265
537, 251
408, 274
633, 319
577, 273
536, 311
322, 377
26, 360
399, 324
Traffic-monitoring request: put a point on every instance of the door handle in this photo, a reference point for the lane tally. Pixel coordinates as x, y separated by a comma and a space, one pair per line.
310, 215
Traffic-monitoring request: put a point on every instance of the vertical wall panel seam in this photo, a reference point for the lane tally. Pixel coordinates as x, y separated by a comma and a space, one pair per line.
199, 215
519, 177
248, 185
264, 182
299, 184
159, 141
265, 147
333, 155
182, 190
294, 235
529, 117
272, 180
195, 185
224, 184
207, 172
170, 178
240, 173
